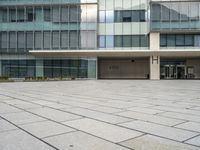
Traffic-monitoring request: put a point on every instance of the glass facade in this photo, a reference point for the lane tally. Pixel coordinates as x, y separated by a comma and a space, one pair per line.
177, 15
179, 40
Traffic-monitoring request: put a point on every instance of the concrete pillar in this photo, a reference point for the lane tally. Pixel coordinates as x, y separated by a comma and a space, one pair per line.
154, 58
92, 65
39, 68
0, 68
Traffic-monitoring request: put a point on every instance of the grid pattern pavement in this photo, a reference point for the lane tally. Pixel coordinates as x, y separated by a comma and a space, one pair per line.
100, 115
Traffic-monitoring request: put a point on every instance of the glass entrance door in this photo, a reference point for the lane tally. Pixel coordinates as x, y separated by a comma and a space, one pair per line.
180, 69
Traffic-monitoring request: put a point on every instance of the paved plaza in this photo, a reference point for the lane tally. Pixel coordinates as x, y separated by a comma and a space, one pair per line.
100, 115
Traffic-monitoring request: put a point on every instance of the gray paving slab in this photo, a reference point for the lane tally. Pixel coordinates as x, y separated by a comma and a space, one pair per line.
46, 128
145, 110
54, 114
19, 140
160, 130
149, 142
98, 115
4, 108
151, 118
192, 126
194, 141
104, 130
5, 126
81, 141
22, 118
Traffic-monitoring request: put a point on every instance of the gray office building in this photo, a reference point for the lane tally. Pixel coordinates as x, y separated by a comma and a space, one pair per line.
100, 39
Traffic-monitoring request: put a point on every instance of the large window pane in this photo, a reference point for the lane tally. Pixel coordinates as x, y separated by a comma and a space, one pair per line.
102, 16
47, 14
118, 41
171, 40
144, 41
20, 41
135, 16
73, 39
184, 11
91, 39
165, 16
175, 9
118, 16
163, 40
127, 41
135, 41
4, 41
142, 15
102, 41
156, 12
180, 40
73, 14
38, 14
189, 40
64, 14
47, 40
12, 15
109, 41
29, 40
20, 15
64, 39
91, 13
12, 41
194, 11
126, 16
109, 16
38, 40
29, 14
56, 14
3, 15
56, 39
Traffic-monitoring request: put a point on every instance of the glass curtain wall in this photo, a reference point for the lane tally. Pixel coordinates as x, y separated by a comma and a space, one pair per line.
175, 15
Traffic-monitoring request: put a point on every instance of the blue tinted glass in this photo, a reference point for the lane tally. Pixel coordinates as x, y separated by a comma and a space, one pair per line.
102, 41
102, 16
109, 16
109, 41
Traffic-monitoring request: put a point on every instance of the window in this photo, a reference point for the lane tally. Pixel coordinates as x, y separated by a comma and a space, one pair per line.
163, 40
55, 39
127, 41
64, 14
29, 14
102, 41
102, 16
118, 41
47, 14
12, 15
126, 16
184, 11
64, 39
171, 40
73, 40
135, 41
20, 15
38, 14
118, 16
4, 41
20, 41
29, 40
194, 11
3, 15
165, 16
109, 41
144, 41
38, 40
109, 16
189, 40
135, 16
47, 40
179, 40
73, 14
156, 12
12, 41
56, 14
175, 15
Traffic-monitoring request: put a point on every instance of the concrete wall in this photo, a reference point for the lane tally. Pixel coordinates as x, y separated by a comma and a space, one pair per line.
137, 69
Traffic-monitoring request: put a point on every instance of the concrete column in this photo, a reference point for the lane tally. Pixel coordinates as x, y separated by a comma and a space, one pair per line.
0, 68
92, 65
154, 58
39, 68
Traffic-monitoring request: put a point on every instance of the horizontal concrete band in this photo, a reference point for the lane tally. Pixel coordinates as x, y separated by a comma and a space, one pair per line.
116, 53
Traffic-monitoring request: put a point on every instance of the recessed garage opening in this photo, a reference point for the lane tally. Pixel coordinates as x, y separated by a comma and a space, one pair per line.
123, 68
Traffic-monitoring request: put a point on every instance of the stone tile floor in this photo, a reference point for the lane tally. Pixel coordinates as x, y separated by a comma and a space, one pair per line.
100, 115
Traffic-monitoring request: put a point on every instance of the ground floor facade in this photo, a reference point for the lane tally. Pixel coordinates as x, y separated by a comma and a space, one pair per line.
103, 67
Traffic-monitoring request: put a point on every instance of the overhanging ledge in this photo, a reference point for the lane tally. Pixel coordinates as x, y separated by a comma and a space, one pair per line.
116, 53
